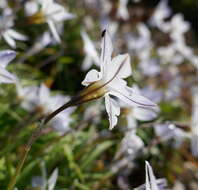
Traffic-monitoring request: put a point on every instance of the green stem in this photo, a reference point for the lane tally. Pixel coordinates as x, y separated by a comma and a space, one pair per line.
34, 136
85, 95
18, 170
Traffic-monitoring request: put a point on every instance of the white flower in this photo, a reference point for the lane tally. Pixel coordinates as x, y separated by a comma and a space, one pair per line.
110, 81
131, 147
151, 182
27, 96
131, 144
5, 57
6, 31
54, 13
177, 51
161, 12
178, 26
35, 98
168, 131
122, 9
91, 53
169, 54
50, 12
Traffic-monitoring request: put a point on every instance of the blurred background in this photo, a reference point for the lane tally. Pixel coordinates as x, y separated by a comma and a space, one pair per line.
77, 147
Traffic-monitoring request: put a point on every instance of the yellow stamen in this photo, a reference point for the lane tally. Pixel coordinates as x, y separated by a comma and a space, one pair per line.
37, 18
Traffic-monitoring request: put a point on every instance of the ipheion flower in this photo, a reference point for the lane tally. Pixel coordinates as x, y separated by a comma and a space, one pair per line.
8, 33
151, 182
110, 81
50, 12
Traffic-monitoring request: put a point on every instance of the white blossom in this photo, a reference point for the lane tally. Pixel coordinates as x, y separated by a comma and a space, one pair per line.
7, 33
177, 27
168, 131
54, 13
110, 81
177, 51
131, 144
161, 12
50, 12
35, 98
151, 182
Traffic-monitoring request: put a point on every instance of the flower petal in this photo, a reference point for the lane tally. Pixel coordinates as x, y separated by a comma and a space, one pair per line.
15, 35
131, 121
44, 95
87, 62
132, 99
151, 183
6, 77
52, 180
113, 110
53, 29
6, 56
120, 67
28, 95
106, 52
144, 114
91, 77
9, 40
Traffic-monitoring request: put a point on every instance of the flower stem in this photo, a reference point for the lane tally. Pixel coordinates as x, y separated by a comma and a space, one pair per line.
33, 138
18, 170
85, 95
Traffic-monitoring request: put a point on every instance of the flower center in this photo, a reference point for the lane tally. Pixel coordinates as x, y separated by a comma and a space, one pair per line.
37, 18
94, 91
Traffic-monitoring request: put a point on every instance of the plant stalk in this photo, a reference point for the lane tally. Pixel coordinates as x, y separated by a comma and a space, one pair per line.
89, 93
34, 136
